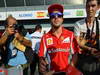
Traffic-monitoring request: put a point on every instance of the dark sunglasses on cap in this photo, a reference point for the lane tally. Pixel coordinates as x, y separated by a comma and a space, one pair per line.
54, 15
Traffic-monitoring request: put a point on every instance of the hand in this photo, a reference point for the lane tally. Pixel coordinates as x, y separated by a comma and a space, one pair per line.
42, 65
10, 31
18, 36
93, 50
97, 54
49, 73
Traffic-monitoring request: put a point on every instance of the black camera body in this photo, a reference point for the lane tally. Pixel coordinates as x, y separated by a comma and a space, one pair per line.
20, 29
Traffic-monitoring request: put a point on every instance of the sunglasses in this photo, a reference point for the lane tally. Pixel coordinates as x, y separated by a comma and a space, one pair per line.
56, 15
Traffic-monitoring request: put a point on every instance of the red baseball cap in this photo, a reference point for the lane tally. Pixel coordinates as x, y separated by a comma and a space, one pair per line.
54, 7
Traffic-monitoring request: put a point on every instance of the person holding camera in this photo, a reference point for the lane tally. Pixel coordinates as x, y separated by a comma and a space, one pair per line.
15, 44
87, 32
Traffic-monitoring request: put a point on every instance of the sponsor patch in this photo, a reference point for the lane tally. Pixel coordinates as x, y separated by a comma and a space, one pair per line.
66, 40
49, 41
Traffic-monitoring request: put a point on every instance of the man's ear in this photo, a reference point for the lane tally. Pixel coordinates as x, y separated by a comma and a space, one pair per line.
99, 7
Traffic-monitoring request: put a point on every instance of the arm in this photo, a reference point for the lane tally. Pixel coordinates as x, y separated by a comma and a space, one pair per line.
42, 62
23, 40
42, 57
74, 59
8, 31
3, 38
74, 51
82, 41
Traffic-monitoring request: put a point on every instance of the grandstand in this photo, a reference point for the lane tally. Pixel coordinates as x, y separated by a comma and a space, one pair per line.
31, 12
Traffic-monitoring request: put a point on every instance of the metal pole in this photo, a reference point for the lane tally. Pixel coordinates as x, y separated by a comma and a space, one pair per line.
5, 3
24, 2
44, 2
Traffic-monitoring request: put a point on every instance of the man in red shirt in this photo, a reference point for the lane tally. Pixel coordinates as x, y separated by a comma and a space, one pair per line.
58, 44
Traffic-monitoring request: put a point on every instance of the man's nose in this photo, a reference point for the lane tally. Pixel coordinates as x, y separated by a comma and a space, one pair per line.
90, 8
56, 16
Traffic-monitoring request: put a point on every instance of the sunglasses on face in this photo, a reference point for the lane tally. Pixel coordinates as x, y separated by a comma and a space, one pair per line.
56, 15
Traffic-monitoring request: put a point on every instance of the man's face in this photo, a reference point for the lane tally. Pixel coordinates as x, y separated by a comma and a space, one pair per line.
56, 18
91, 8
11, 23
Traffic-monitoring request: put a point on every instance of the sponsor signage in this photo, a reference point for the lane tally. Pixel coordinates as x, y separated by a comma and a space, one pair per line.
25, 15
22, 14
2, 15
80, 13
68, 13
41, 14
74, 13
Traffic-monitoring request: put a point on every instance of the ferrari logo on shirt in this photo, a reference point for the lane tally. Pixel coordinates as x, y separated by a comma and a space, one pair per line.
62, 38
49, 41
66, 40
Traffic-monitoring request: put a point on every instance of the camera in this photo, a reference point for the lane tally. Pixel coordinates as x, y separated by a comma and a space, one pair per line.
20, 29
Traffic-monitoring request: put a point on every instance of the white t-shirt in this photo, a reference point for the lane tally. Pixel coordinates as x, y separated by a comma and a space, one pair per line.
81, 28
35, 38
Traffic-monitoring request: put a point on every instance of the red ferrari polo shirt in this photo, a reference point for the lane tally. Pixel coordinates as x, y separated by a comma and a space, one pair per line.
58, 49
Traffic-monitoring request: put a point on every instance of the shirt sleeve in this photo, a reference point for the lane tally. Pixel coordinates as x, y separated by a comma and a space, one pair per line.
27, 36
99, 26
74, 45
42, 49
76, 29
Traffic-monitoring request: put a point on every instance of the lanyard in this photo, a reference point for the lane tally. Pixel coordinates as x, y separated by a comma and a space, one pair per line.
89, 32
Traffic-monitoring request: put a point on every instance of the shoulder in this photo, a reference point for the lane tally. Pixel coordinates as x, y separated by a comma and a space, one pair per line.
32, 34
99, 23
46, 34
67, 32
80, 22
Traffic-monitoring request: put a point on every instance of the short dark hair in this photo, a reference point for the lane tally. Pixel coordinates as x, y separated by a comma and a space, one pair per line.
98, 1
37, 27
